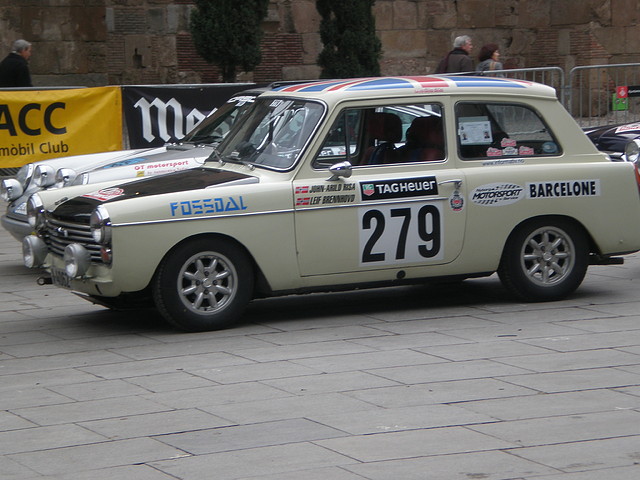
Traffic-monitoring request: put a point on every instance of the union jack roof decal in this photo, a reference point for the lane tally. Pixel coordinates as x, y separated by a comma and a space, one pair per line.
392, 83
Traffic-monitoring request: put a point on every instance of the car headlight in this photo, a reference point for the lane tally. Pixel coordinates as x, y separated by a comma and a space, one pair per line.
76, 260
632, 151
34, 251
24, 174
65, 177
10, 189
35, 212
44, 176
100, 225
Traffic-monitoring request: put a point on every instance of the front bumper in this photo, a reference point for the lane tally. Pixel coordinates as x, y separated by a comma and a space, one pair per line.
97, 281
16, 227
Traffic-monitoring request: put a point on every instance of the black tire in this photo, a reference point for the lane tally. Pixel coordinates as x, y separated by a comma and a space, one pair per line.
544, 259
186, 292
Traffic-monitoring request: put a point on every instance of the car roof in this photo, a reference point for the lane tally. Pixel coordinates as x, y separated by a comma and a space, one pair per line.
413, 85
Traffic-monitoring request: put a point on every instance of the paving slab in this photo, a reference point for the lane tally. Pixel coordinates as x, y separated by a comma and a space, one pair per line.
433, 381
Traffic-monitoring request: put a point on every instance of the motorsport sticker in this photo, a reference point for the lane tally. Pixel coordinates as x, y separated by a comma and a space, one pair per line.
496, 194
105, 194
525, 150
400, 188
456, 201
630, 127
161, 168
564, 188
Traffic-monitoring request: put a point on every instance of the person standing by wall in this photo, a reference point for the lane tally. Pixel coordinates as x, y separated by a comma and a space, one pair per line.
458, 59
489, 60
14, 69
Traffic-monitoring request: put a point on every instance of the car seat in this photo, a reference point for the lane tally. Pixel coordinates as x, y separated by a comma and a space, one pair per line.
425, 140
386, 129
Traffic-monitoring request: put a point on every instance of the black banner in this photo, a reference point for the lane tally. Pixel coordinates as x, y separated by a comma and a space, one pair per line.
158, 114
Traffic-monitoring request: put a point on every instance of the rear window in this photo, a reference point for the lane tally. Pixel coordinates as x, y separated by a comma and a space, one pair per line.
490, 130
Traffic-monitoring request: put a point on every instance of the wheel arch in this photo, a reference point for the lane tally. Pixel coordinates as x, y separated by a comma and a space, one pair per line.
261, 285
593, 247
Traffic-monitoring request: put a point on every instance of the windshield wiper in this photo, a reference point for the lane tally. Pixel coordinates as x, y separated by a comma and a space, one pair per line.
216, 157
238, 160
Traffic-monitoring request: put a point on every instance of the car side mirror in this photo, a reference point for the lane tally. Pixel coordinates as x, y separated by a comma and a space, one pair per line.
340, 170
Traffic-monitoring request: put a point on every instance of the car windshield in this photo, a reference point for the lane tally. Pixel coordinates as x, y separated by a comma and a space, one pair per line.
273, 133
216, 126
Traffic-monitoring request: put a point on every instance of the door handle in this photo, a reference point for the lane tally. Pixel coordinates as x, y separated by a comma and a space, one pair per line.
457, 182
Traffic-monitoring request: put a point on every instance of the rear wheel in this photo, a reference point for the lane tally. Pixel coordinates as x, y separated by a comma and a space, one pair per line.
204, 284
544, 259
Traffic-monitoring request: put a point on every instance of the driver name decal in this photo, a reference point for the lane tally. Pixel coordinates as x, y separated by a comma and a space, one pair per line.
318, 195
207, 206
401, 188
562, 189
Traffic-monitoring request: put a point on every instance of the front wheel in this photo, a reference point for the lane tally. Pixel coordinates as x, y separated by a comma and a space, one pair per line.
544, 260
204, 284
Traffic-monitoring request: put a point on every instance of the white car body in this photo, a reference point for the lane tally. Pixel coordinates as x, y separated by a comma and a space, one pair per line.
516, 188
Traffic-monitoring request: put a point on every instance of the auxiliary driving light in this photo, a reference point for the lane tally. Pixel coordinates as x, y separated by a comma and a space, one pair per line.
632, 151
34, 251
44, 176
10, 189
76, 260
65, 177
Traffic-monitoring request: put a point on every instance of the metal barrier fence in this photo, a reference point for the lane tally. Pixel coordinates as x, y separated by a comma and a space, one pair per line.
595, 94
552, 76
604, 94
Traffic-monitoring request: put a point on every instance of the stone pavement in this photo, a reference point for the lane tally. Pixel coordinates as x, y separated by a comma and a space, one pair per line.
455, 382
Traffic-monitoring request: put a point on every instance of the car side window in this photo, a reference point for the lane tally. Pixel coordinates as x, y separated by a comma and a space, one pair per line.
385, 135
489, 130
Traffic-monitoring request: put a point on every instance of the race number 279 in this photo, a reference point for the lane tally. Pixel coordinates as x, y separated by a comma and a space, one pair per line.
400, 234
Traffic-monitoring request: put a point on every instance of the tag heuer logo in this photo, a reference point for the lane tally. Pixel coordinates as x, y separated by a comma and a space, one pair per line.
367, 189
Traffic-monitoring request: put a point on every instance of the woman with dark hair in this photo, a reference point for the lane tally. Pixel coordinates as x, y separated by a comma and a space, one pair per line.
488, 60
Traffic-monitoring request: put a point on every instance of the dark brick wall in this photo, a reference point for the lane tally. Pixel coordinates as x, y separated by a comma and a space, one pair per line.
97, 42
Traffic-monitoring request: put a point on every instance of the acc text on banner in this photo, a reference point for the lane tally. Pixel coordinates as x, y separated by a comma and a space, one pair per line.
40, 124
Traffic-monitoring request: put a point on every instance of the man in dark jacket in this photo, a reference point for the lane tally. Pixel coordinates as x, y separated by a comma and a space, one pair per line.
458, 59
14, 69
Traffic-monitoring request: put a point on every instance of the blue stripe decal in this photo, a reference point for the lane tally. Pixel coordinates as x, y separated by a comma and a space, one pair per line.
484, 82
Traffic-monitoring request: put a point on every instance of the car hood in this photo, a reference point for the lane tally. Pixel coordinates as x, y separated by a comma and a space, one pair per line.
194, 179
92, 160
613, 138
170, 152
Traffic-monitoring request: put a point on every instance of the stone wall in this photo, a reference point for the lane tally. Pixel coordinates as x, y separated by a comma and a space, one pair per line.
98, 42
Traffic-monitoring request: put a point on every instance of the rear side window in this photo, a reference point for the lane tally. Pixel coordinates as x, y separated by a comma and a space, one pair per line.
501, 130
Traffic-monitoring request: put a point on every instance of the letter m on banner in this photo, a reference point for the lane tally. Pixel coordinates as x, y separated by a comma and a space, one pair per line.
157, 114
162, 118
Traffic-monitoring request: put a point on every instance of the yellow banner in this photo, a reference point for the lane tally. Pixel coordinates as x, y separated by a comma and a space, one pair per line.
40, 124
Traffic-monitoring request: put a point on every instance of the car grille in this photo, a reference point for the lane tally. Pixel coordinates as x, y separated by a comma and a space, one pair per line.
60, 233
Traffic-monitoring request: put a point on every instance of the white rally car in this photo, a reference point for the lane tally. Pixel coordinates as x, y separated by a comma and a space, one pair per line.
348, 184
101, 167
